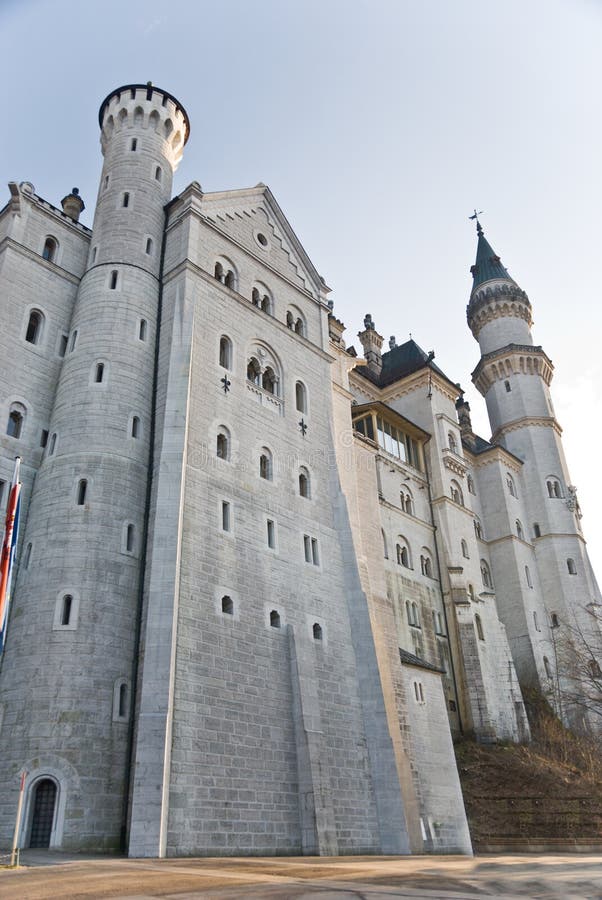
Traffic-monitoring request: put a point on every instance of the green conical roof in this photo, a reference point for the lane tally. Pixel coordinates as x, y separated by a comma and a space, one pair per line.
488, 265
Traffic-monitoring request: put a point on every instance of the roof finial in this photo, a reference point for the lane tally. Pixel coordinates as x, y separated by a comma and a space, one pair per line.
476, 216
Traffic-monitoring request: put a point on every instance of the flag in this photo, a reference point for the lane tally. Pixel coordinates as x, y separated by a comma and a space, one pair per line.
9, 549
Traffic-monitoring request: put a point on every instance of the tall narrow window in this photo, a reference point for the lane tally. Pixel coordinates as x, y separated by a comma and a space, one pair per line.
149, 246
49, 251
507, 386
265, 464
44, 438
268, 381
52, 444
134, 144
479, 626
225, 515
158, 173
63, 345
315, 556
66, 609
2, 489
271, 531
572, 568
451, 442
275, 619
307, 547
536, 622
135, 427
82, 490
218, 272
304, 483
142, 328
528, 577
122, 709
73, 341
99, 374
253, 371
28, 550
464, 547
519, 530
510, 485
300, 397
126, 199
385, 548
547, 666
317, 631
227, 606
34, 327
129, 538
15, 422
229, 280
225, 352
536, 530
555, 620
113, 278
223, 445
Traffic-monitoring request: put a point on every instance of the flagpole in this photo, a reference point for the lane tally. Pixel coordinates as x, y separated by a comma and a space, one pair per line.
18, 820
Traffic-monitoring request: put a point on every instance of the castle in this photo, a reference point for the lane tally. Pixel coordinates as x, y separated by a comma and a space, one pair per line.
261, 582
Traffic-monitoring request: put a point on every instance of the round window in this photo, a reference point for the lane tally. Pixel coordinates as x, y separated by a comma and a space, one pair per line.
262, 239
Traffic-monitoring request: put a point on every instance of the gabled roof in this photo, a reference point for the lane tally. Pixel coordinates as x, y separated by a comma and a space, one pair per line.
261, 194
401, 361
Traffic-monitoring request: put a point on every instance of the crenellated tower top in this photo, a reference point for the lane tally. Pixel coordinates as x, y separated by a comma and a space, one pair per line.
147, 107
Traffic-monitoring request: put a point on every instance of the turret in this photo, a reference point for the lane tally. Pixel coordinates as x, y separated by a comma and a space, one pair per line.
372, 343
90, 502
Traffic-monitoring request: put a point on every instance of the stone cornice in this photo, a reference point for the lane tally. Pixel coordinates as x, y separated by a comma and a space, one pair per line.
9, 242
497, 301
528, 422
454, 463
513, 359
498, 454
425, 377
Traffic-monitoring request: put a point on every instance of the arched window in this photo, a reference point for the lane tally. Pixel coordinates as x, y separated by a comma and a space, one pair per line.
218, 272
223, 444
412, 614
43, 804
99, 373
113, 279
478, 529
290, 320
300, 327
528, 577
510, 485
519, 530
385, 550
82, 490
470, 484
570, 564
135, 427
304, 483
479, 627
486, 575
402, 551
301, 397
554, 620
149, 246
456, 493
34, 327
269, 381
275, 619
230, 279
225, 352
554, 488
255, 297
266, 305
50, 248
407, 502
536, 530
227, 606
451, 442
295, 321
426, 564
158, 173
253, 371
265, 464
547, 667
16, 420
317, 631
464, 547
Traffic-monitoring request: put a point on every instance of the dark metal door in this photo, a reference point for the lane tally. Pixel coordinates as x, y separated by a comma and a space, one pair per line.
43, 813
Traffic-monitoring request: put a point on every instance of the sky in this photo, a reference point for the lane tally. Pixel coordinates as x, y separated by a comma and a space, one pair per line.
379, 125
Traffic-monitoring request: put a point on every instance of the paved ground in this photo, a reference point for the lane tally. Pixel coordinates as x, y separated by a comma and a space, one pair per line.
46, 876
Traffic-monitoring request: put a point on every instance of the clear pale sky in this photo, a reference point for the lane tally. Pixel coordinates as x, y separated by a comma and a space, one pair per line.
378, 126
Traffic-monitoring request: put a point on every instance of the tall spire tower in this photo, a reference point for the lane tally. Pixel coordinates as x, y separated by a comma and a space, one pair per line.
535, 527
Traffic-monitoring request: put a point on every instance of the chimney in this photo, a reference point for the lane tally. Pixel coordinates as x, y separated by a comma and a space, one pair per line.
372, 343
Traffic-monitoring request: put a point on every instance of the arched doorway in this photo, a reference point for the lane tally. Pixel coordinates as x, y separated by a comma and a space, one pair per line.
42, 817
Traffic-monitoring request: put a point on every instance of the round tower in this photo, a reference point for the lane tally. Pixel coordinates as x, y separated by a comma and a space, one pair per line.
514, 376
67, 672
